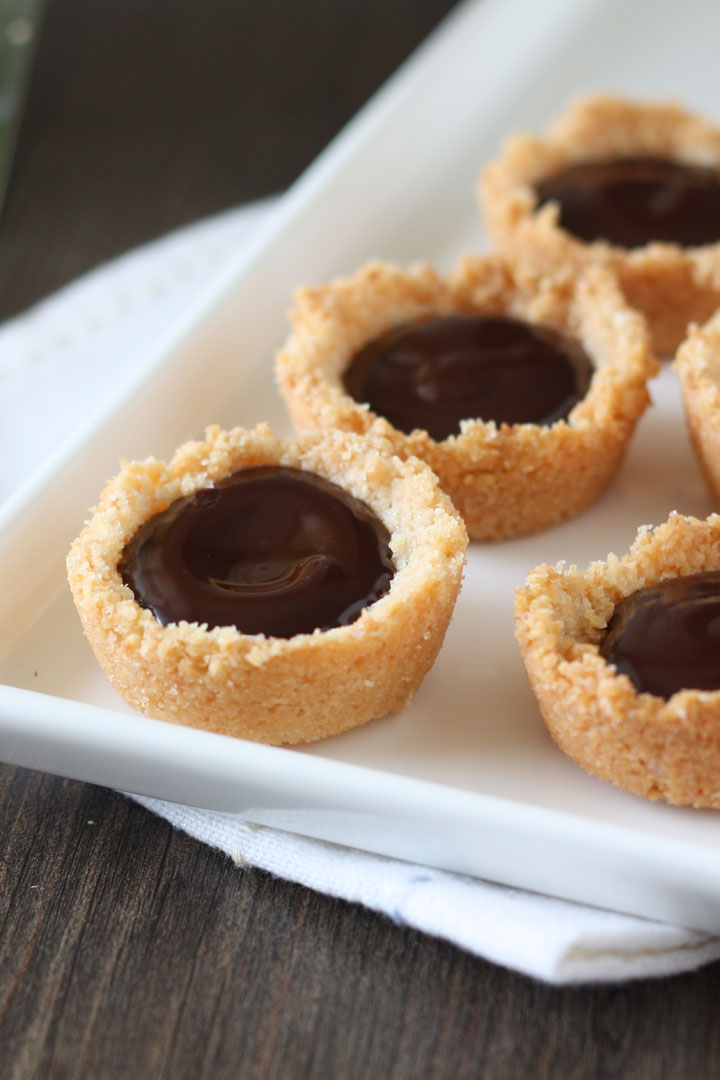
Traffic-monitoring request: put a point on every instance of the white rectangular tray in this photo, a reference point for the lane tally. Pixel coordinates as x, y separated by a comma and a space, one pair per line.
466, 778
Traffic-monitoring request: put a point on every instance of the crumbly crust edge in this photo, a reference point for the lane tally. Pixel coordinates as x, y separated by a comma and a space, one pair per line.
639, 742
506, 480
252, 685
698, 368
671, 284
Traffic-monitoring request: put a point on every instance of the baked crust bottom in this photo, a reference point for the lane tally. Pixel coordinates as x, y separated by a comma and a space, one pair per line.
506, 480
659, 749
670, 284
267, 689
698, 367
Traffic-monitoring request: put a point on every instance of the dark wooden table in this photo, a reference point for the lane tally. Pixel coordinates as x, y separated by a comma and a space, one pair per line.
127, 949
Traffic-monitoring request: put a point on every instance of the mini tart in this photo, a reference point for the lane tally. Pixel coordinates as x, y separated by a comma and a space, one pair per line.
659, 749
672, 285
268, 689
506, 480
698, 367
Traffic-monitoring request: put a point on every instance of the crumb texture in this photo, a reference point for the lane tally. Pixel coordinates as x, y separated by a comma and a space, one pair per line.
274, 690
659, 749
506, 480
698, 367
670, 284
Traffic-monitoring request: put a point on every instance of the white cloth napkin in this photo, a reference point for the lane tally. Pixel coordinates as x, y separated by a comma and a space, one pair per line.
69, 356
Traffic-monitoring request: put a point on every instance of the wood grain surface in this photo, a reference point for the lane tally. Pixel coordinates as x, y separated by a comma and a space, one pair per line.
128, 949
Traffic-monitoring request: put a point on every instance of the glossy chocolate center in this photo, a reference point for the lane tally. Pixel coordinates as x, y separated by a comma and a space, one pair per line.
433, 374
633, 201
666, 637
270, 550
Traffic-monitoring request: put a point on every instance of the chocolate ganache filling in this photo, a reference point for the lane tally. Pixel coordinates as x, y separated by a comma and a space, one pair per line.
666, 637
270, 550
433, 374
635, 200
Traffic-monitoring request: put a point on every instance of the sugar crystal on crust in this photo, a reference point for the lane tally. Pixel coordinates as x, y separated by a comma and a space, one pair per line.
659, 749
671, 284
697, 364
269, 689
506, 480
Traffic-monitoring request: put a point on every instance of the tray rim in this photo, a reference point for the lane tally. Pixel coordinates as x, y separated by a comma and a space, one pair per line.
18, 706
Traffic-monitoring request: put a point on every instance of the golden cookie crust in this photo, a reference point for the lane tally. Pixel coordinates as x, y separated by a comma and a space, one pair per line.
697, 364
506, 480
268, 689
659, 749
672, 285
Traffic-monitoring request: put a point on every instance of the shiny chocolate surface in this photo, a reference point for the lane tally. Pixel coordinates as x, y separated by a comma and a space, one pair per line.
270, 550
433, 374
666, 637
635, 200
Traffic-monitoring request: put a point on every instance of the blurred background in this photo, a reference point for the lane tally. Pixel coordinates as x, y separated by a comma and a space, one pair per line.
147, 114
